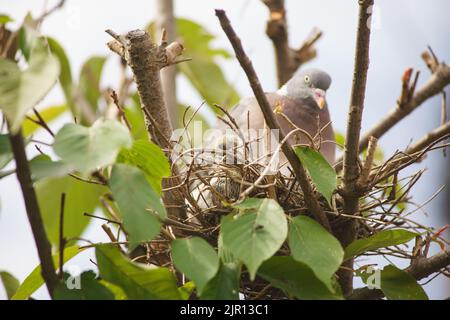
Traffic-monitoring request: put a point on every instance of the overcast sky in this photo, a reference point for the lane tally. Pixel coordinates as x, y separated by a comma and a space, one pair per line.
403, 30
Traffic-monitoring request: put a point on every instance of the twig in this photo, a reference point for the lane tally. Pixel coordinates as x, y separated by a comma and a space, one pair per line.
62, 240
367, 167
438, 81
120, 109
44, 248
421, 268
300, 173
351, 173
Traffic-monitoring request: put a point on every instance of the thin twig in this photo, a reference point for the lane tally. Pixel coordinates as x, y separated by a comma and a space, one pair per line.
62, 240
44, 248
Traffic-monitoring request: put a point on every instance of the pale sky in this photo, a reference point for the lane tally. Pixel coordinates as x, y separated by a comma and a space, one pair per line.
404, 29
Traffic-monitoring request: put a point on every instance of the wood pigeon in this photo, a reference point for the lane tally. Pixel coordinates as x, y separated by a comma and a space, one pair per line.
299, 103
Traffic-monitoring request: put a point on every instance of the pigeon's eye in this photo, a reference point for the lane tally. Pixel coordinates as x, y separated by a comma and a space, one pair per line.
307, 80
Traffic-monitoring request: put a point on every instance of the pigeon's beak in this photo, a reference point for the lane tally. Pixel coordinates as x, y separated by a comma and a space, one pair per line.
319, 97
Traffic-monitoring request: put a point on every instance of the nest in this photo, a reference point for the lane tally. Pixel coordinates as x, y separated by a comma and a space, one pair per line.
216, 185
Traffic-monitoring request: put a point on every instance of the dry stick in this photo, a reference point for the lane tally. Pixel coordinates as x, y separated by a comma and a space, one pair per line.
347, 233
421, 268
429, 138
33, 212
62, 240
300, 173
438, 81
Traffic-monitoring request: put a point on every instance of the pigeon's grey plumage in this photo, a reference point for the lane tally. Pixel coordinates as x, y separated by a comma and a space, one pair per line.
302, 101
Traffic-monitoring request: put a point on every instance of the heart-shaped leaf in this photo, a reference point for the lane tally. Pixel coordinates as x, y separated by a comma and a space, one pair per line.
88, 148
135, 198
148, 157
314, 246
255, 233
21, 90
196, 259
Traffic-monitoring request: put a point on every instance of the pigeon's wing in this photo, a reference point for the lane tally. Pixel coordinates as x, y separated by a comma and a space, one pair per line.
317, 124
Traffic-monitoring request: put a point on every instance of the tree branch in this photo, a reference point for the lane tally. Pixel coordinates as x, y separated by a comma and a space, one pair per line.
300, 173
438, 81
351, 167
146, 59
287, 60
421, 268
44, 248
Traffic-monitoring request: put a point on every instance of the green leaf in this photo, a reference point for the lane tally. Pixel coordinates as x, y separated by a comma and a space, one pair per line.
196, 259
48, 114
135, 197
116, 290
87, 148
225, 284
90, 289
10, 283
397, 284
321, 172
255, 233
65, 76
314, 246
203, 72
42, 166
379, 240
89, 82
5, 150
186, 290
148, 157
22, 90
34, 280
295, 279
136, 281
80, 197
4, 19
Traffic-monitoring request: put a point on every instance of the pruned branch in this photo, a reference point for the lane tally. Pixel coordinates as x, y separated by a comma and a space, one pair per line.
299, 170
146, 60
44, 248
421, 268
288, 60
351, 168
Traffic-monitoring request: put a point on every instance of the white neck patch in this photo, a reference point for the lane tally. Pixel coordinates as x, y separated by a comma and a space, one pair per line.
282, 91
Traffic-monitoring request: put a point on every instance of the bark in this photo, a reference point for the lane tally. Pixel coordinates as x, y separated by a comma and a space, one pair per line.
43, 245
351, 173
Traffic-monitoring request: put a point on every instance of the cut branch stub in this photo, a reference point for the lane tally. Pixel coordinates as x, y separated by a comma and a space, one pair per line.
146, 59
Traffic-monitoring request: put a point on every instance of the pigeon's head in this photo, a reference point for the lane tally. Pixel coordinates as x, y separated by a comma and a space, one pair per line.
309, 86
